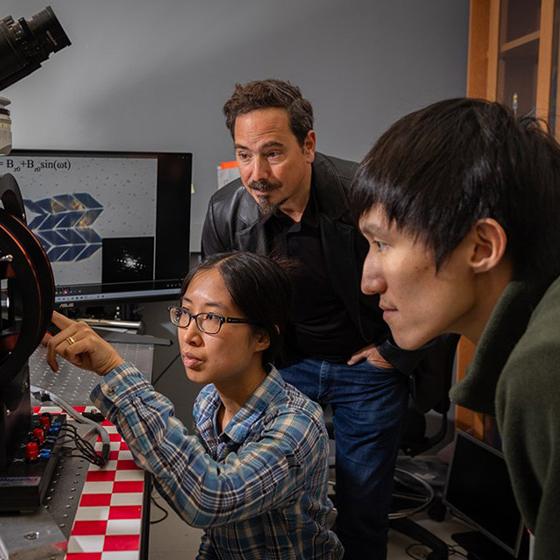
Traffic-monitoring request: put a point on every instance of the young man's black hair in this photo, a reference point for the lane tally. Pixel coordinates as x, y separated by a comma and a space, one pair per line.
438, 170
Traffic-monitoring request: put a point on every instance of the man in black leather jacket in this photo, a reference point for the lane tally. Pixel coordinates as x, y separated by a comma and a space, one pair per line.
293, 202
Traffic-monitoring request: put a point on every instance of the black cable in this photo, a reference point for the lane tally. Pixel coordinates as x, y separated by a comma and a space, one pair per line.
43, 396
80, 438
85, 449
416, 556
165, 512
85, 453
421, 554
165, 370
453, 551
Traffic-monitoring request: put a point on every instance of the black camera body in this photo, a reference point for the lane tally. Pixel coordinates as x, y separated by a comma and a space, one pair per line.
25, 44
26, 279
27, 301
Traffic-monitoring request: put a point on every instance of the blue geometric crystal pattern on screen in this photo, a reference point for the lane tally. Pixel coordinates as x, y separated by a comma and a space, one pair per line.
63, 225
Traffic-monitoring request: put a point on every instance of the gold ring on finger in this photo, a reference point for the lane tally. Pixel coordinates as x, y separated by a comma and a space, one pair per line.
71, 340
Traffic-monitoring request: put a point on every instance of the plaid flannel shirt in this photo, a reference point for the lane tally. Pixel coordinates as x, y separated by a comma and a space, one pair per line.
258, 489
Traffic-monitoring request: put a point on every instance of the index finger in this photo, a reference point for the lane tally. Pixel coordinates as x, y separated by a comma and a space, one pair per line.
61, 321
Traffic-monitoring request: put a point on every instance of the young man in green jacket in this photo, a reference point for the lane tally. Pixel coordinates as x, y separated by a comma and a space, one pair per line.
460, 204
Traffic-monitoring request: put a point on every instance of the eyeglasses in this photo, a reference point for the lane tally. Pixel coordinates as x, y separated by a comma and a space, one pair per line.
209, 323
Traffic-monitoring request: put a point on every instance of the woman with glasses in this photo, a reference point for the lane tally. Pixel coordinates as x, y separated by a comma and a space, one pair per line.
254, 475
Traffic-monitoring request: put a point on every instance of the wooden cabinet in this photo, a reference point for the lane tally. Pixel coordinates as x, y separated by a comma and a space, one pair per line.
465, 419
513, 58
513, 55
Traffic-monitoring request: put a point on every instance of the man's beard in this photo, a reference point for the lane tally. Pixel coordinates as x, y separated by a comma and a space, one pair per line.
263, 186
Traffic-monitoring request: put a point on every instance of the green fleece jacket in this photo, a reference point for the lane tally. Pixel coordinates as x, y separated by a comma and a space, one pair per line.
515, 375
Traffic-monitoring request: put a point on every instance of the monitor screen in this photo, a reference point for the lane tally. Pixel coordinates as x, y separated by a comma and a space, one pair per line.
479, 490
115, 225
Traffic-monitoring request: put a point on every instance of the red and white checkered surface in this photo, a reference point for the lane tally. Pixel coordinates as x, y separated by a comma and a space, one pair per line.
108, 520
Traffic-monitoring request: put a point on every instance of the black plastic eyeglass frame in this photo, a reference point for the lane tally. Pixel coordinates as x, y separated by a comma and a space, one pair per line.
236, 320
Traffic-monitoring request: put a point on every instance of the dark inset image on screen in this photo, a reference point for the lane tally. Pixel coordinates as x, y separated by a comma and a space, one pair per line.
127, 259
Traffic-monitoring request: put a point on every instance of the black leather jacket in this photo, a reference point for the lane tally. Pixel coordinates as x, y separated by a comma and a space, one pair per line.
233, 223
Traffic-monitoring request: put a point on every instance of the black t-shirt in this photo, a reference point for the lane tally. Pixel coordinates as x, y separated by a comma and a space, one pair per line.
320, 326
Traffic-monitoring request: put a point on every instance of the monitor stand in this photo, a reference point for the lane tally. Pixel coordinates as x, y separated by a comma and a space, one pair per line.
479, 547
133, 338
124, 325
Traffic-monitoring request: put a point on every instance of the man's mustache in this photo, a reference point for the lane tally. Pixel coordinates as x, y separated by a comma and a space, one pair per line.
264, 186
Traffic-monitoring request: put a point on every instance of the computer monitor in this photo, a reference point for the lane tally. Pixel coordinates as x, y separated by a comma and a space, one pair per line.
479, 490
115, 225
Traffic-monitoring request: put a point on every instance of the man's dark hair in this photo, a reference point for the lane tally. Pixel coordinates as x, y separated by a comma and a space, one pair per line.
437, 171
259, 286
263, 94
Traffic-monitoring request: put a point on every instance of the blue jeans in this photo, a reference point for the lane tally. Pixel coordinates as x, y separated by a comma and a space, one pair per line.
368, 404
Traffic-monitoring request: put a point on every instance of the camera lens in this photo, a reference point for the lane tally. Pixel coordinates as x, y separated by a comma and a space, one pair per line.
47, 32
25, 44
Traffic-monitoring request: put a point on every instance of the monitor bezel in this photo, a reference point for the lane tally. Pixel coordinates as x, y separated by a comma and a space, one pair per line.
100, 298
461, 515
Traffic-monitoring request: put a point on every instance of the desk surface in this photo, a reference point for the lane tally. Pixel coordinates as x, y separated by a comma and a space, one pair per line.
73, 384
102, 511
107, 524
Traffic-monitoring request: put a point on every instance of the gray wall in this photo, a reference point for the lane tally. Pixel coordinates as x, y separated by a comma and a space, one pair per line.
147, 75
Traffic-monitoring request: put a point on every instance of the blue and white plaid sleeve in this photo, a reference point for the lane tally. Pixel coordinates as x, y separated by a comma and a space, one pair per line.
261, 476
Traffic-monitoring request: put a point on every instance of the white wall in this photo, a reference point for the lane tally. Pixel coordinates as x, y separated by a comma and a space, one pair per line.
147, 75
153, 75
